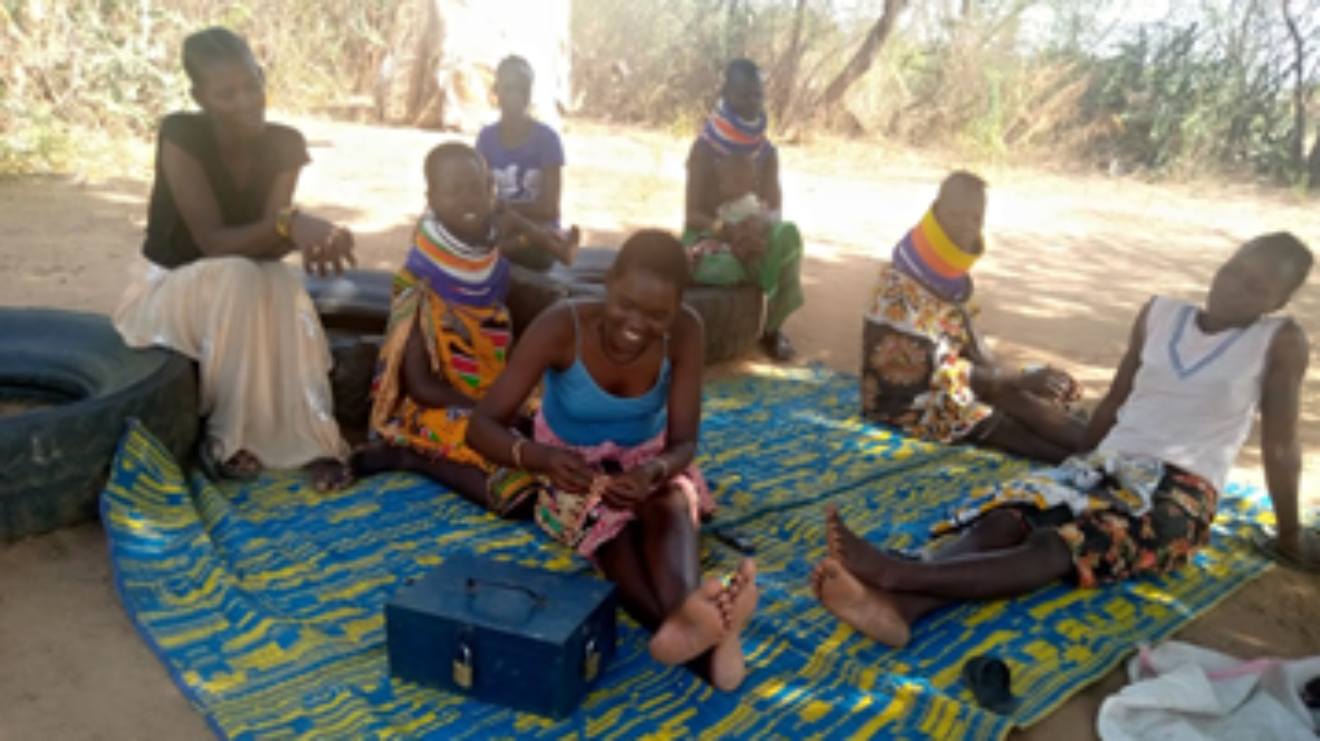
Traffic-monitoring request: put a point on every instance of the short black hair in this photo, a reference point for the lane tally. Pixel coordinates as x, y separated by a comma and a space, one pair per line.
444, 152
655, 251
211, 45
963, 179
1287, 248
741, 68
515, 63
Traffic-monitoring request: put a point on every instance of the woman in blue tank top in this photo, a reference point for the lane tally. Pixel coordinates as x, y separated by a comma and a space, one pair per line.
615, 440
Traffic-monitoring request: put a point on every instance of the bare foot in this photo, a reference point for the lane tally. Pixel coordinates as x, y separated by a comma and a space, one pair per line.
329, 474
241, 466
566, 247
737, 602
728, 667
855, 554
737, 599
694, 627
869, 611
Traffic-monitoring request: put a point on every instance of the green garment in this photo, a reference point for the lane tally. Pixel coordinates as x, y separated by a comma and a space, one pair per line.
777, 274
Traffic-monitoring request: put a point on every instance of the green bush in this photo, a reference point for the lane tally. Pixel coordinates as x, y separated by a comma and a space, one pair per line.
1180, 105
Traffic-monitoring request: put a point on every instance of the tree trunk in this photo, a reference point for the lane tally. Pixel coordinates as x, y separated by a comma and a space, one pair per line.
735, 32
786, 70
1313, 165
862, 60
1299, 87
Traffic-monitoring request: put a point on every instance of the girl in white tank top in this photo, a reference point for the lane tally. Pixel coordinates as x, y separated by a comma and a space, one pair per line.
1195, 395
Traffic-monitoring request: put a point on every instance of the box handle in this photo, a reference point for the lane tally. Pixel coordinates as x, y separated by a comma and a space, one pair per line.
473, 583
505, 612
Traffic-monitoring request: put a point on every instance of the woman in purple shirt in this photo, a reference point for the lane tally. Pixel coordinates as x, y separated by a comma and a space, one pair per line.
525, 158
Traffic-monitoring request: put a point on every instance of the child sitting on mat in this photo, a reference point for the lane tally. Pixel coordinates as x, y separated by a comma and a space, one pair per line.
449, 335
1163, 440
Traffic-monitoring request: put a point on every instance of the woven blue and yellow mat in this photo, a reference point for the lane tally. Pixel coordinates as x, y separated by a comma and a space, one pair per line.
265, 600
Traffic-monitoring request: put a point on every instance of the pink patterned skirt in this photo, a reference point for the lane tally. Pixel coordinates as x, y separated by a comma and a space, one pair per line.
582, 521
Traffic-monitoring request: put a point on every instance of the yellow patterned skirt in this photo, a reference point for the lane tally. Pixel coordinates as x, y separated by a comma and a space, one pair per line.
467, 347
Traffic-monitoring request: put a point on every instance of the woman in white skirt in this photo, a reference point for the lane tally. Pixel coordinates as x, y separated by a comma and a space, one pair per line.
220, 221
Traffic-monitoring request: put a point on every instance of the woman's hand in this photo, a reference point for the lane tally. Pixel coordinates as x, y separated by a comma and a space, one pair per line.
627, 490
325, 247
1049, 383
566, 469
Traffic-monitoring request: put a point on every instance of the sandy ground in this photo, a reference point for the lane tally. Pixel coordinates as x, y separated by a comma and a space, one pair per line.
1072, 258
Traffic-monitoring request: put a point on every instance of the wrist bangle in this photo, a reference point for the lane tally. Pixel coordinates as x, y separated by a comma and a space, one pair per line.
284, 221
517, 452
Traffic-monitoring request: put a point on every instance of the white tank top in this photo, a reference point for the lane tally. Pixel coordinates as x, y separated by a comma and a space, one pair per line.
1195, 394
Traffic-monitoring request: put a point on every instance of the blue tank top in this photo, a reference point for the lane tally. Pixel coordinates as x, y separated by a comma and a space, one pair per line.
582, 413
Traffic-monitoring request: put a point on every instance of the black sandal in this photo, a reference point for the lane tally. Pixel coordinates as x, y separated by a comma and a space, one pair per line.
990, 681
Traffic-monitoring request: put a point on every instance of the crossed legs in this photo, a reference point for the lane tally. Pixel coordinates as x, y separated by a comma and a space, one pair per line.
882, 596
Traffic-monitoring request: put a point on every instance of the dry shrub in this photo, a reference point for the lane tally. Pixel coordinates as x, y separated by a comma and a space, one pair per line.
112, 66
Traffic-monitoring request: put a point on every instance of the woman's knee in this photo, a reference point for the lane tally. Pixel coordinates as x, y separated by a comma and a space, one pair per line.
1055, 555
1003, 527
667, 504
233, 270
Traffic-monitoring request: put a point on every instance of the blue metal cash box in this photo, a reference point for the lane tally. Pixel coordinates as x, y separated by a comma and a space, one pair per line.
528, 639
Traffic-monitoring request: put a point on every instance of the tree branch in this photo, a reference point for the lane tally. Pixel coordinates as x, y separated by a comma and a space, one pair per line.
861, 61
786, 69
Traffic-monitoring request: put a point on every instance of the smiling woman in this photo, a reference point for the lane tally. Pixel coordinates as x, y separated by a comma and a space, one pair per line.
615, 440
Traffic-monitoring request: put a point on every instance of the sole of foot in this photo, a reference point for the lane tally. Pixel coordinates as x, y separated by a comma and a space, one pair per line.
868, 611
691, 630
728, 665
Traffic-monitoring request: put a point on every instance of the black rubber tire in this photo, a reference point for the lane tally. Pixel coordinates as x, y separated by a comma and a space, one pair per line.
354, 309
54, 460
732, 316
357, 302
350, 378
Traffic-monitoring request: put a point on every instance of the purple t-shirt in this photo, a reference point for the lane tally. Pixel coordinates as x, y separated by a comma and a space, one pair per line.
517, 171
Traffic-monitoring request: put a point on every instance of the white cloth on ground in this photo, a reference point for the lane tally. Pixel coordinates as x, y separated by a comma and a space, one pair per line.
1184, 692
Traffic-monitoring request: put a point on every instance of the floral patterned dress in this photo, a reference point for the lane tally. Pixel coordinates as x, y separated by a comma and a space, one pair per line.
1120, 515
915, 372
